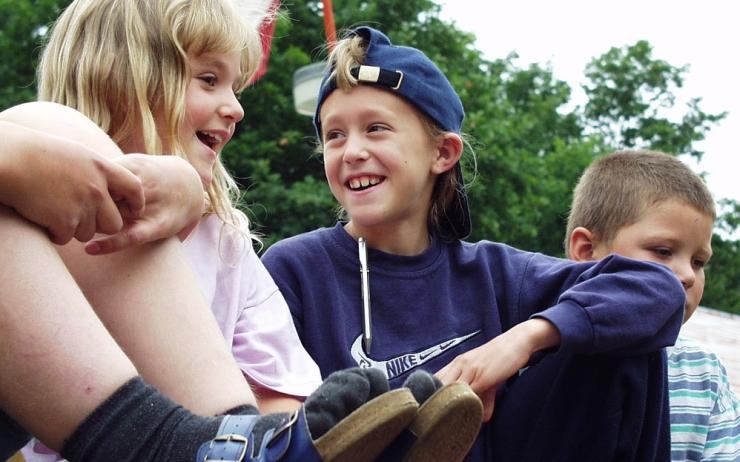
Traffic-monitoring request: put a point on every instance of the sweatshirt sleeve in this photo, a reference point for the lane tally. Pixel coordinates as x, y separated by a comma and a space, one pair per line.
616, 306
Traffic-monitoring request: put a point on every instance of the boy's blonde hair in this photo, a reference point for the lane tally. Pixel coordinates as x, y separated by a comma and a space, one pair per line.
349, 53
615, 191
124, 64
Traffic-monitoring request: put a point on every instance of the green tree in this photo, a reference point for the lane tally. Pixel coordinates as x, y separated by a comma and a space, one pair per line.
529, 148
530, 151
629, 95
23, 24
723, 272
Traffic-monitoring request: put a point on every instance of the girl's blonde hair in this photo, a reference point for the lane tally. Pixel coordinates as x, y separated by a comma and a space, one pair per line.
124, 64
350, 53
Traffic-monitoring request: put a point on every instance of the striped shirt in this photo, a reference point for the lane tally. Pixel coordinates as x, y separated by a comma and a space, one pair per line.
705, 413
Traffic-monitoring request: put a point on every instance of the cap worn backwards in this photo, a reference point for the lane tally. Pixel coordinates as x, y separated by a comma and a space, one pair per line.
410, 74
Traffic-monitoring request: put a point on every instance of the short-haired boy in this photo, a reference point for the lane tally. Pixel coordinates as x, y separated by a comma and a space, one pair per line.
650, 206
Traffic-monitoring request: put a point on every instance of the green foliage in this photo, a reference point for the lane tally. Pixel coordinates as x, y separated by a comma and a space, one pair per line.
723, 272
22, 27
529, 149
628, 96
722, 290
729, 219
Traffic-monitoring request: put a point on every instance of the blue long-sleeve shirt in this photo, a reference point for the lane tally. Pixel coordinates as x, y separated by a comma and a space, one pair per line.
453, 297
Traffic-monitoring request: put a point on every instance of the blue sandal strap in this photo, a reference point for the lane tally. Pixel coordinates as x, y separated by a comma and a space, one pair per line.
291, 441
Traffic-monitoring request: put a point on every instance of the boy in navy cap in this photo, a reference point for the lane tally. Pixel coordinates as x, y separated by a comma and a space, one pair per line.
389, 123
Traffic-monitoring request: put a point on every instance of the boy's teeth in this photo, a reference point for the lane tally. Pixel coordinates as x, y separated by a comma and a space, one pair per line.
363, 182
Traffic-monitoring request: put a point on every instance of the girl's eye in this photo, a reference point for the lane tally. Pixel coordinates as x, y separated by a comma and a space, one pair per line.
210, 80
698, 264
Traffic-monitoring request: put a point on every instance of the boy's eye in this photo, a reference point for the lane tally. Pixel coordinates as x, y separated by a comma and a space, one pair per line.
699, 263
663, 251
377, 128
332, 135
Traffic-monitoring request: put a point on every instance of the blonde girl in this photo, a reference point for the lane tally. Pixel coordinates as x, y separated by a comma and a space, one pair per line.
163, 77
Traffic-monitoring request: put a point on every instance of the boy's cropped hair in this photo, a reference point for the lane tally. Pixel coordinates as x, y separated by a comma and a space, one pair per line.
615, 190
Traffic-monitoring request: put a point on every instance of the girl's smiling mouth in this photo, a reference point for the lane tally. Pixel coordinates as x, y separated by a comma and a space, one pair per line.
212, 140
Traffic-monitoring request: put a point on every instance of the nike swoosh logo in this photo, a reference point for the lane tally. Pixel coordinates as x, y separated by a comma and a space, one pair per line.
401, 364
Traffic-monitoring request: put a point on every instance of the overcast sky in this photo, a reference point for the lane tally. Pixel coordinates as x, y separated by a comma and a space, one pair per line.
568, 33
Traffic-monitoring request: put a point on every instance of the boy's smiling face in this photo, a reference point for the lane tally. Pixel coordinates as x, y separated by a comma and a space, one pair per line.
379, 159
674, 234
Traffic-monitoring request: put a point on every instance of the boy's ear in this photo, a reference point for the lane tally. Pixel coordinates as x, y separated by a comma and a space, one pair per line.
581, 244
449, 148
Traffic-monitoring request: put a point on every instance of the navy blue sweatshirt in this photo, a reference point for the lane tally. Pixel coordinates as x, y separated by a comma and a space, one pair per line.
453, 297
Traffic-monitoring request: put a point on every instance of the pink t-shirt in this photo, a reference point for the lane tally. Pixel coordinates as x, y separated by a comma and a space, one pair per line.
250, 310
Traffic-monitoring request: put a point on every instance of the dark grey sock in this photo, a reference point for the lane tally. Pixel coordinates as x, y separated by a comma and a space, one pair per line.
137, 423
244, 409
422, 385
12, 436
341, 393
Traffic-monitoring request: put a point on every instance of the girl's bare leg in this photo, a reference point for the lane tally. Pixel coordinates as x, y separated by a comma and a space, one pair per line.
57, 361
148, 297
150, 301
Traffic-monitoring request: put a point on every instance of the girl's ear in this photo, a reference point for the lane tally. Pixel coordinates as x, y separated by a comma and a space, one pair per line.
581, 245
449, 148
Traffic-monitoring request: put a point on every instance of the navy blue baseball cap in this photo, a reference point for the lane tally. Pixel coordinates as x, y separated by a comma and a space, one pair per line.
410, 74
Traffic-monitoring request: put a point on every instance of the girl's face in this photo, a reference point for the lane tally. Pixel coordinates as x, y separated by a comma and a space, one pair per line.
380, 161
211, 109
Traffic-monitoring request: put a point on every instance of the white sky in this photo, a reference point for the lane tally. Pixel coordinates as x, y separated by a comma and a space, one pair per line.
569, 33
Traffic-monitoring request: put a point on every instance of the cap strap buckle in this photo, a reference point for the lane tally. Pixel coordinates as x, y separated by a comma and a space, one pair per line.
374, 74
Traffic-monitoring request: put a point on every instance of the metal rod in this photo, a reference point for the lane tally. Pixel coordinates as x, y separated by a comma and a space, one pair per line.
367, 328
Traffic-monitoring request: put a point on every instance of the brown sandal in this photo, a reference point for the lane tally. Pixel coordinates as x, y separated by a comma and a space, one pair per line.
366, 432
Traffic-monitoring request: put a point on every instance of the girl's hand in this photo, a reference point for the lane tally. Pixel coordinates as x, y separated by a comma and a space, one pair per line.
174, 201
488, 366
63, 186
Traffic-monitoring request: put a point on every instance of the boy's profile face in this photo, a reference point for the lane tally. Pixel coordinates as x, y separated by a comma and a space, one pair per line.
674, 234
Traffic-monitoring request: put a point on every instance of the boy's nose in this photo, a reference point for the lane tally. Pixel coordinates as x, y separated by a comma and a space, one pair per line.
686, 275
354, 149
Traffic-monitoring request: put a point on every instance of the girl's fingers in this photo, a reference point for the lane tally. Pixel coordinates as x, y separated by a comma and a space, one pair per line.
86, 226
109, 219
125, 186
